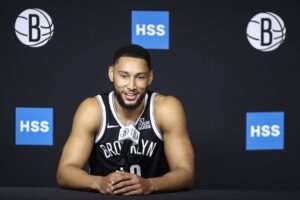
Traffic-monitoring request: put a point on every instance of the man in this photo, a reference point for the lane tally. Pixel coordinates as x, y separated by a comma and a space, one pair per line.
163, 159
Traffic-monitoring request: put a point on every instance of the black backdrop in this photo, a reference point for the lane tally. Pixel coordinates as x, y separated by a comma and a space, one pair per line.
210, 67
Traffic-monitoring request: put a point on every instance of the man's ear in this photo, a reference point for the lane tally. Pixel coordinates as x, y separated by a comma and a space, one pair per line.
111, 73
150, 77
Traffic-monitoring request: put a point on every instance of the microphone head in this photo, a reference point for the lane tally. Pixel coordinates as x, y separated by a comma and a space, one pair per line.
129, 132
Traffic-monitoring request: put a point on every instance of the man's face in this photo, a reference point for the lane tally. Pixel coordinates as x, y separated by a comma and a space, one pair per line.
131, 78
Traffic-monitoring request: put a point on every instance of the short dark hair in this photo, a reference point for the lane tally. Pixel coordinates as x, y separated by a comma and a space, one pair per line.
132, 50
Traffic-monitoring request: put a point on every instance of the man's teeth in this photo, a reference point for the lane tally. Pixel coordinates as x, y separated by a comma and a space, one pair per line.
130, 96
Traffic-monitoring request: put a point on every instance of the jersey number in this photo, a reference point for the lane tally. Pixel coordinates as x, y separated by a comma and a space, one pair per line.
136, 169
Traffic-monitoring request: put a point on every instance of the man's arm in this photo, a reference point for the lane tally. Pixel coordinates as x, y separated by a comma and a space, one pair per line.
170, 119
76, 152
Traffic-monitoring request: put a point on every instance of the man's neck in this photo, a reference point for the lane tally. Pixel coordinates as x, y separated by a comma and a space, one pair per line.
126, 115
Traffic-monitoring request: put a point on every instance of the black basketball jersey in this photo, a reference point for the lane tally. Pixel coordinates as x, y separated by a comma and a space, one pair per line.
146, 159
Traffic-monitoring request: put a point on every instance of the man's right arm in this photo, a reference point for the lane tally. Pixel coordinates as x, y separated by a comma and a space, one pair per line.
76, 152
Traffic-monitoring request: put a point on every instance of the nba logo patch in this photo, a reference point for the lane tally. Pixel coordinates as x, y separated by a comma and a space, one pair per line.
265, 131
150, 29
34, 126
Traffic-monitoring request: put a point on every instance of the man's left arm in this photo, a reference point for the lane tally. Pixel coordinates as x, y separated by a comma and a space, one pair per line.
170, 118
179, 152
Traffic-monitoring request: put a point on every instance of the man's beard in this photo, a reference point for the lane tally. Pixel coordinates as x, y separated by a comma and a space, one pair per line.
126, 106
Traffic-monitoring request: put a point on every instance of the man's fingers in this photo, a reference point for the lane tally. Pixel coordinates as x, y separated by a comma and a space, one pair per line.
131, 193
121, 177
126, 190
122, 184
115, 178
122, 172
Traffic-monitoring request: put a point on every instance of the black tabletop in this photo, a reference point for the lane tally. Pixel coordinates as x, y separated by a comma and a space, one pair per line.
32, 193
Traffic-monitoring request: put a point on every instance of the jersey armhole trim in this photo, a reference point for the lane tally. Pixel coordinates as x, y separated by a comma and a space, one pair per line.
103, 124
152, 118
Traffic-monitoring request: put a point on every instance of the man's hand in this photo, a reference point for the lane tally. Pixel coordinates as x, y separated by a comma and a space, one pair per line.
104, 185
123, 183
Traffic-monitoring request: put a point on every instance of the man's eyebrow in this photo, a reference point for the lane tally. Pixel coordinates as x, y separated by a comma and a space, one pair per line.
140, 73
120, 71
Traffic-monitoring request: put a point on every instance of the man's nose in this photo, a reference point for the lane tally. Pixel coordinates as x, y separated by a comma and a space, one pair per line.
131, 84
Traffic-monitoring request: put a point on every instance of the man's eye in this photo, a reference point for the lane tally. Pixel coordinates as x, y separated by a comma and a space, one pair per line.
141, 77
123, 76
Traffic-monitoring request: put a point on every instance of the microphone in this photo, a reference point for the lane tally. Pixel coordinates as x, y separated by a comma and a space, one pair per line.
128, 136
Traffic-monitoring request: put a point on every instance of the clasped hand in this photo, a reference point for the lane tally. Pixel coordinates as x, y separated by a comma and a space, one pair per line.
123, 183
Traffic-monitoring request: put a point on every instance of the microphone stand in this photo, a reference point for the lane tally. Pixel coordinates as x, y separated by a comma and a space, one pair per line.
124, 154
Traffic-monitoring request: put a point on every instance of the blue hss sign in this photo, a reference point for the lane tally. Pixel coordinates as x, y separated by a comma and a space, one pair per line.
265, 131
150, 29
34, 126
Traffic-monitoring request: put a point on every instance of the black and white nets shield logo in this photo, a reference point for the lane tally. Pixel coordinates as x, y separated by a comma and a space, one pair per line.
34, 27
266, 31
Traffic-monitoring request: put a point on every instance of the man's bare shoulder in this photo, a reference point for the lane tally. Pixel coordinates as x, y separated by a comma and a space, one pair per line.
90, 103
166, 102
167, 110
88, 114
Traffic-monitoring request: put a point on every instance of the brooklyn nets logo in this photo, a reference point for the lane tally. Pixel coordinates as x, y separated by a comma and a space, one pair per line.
124, 133
266, 31
34, 27
135, 134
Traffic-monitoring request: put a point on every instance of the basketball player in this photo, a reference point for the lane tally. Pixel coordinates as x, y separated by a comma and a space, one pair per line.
163, 159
